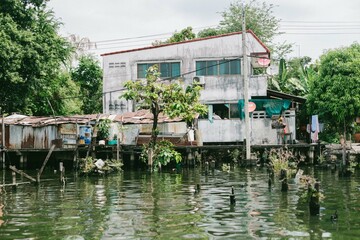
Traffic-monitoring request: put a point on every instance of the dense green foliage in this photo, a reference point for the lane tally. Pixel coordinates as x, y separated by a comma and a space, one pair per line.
259, 18
335, 94
160, 96
184, 35
31, 54
88, 75
33, 65
294, 76
163, 154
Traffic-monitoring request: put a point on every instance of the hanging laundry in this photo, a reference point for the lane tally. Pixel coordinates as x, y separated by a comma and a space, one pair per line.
314, 135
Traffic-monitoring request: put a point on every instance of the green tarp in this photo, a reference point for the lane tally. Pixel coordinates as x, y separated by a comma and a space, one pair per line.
270, 106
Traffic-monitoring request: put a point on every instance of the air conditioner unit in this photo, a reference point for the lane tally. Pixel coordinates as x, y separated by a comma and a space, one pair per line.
199, 80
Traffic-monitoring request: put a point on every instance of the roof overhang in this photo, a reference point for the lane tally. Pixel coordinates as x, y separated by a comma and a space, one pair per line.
276, 94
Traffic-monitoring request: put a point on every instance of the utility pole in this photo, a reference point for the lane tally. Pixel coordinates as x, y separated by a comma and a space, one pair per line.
246, 86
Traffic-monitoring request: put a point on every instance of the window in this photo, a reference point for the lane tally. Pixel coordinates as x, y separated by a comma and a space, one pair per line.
234, 111
167, 69
218, 67
225, 111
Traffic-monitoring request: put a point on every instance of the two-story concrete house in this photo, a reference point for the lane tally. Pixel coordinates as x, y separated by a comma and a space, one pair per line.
216, 63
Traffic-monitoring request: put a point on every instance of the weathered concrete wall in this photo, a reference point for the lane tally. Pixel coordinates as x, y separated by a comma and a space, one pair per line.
233, 130
131, 131
217, 88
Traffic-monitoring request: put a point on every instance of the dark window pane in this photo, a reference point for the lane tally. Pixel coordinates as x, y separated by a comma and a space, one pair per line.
224, 67
212, 68
201, 68
234, 111
175, 69
165, 70
141, 70
235, 67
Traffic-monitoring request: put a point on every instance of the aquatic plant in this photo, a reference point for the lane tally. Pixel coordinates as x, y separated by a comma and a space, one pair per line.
91, 166
283, 159
162, 153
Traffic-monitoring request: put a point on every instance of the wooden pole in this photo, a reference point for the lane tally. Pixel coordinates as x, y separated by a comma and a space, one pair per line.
117, 149
45, 162
13, 178
14, 181
91, 142
62, 173
13, 168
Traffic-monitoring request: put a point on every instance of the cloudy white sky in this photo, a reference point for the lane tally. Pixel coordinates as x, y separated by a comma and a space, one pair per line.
311, 25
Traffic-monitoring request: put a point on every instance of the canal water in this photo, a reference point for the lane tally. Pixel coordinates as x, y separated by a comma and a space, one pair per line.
168, 205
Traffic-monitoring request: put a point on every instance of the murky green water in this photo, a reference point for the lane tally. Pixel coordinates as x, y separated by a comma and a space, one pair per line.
138, 205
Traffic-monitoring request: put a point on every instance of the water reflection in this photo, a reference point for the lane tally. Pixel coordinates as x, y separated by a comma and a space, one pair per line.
138, 205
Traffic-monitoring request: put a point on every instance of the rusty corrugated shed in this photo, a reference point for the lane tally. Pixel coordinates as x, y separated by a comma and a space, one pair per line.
29, 132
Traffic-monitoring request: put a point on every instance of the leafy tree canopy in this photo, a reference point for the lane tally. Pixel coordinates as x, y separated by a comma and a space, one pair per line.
259, 18
31, 54
160, 96
335, 94
183, 35
88, 75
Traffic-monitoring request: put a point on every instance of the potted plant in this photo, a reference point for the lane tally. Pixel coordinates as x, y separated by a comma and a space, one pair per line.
114, 140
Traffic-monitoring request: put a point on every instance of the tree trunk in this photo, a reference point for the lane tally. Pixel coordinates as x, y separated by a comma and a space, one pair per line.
155, 111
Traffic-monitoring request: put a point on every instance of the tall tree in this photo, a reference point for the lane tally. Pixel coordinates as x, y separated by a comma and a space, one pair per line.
259, 18
31, 53
169, 98
64, 96
81, 45
88, 75
335, 94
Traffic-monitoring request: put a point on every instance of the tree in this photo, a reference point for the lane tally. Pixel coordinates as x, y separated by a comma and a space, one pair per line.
335, 94
31, 54
88, 75
208, 32
294, 76
259, 18
64, 98
169, 98
80, 45
183, 35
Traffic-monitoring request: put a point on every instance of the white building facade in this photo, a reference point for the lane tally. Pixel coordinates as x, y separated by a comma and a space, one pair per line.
216, 63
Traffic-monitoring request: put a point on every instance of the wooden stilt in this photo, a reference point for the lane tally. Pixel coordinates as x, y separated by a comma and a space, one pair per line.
14, 180
44, 163
62, 173
13, 168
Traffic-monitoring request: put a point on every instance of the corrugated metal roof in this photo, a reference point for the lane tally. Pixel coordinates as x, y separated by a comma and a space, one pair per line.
138, 117
143, 117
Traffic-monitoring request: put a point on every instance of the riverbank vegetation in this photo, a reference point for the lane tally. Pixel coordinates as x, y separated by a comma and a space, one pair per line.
37, 73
